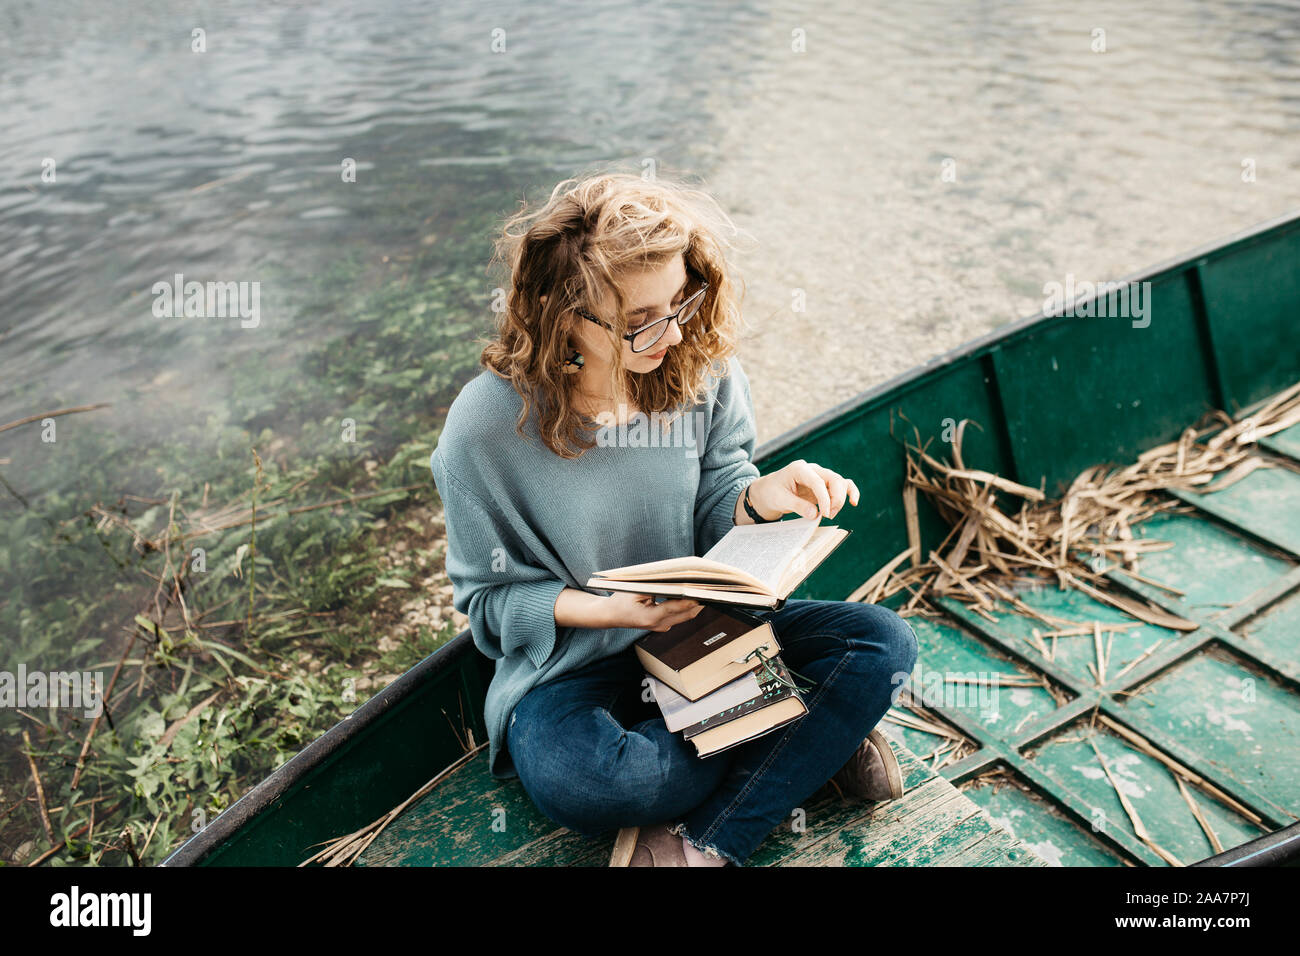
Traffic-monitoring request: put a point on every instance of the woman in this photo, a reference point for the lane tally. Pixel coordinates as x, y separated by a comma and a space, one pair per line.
619, 309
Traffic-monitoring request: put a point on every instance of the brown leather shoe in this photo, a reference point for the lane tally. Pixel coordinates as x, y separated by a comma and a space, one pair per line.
657, 847
872, 773
624, 845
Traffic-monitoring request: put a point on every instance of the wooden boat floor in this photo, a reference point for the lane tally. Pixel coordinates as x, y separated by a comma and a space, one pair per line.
472, 819
1221, 701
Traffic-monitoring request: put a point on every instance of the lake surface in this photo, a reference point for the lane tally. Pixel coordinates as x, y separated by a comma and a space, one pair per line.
825, 132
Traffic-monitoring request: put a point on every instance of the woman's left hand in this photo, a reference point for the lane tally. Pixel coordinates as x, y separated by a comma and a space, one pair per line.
804, 488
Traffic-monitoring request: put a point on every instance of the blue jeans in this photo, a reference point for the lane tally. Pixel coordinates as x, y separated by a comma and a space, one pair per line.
594, 757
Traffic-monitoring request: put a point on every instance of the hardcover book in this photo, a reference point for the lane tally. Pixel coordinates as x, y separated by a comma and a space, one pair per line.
713, 648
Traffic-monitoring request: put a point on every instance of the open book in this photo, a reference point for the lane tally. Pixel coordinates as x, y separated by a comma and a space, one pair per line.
758, 565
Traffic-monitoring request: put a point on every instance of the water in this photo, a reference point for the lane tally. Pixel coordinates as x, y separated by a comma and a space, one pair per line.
1066, 161
226, 165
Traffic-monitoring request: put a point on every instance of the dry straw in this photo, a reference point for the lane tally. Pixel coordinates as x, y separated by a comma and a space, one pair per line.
1092, 522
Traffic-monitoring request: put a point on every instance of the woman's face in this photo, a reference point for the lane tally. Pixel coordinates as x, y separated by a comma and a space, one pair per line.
652, 294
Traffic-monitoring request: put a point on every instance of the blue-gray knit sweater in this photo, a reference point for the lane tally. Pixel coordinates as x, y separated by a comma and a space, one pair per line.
524, 523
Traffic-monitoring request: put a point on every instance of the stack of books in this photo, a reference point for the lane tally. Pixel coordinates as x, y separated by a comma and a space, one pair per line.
718, 678
709, 679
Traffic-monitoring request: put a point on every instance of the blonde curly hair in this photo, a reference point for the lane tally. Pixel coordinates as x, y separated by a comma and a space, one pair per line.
573, 251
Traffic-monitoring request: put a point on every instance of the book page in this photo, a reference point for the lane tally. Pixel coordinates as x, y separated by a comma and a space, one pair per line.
678, 571
764, 550
824, 540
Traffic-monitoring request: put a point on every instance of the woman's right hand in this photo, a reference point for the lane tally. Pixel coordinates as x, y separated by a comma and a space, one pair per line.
625, 609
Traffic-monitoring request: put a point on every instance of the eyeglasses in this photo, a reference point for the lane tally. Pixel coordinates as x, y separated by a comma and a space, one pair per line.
644, 337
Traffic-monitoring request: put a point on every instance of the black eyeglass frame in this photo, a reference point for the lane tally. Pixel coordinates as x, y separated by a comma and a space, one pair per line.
631, 336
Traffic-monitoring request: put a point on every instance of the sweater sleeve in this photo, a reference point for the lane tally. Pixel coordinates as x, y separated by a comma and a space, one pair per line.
510, 602
726, 468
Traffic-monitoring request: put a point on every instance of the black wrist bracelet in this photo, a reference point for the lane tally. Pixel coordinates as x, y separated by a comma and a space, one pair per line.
749, 510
